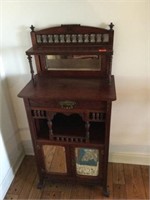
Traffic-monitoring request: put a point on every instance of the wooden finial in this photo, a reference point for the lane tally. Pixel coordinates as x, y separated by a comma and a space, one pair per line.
32, 28
111, 26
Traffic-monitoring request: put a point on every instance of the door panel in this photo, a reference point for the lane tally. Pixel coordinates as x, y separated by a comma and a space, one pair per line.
87, 161
55, 159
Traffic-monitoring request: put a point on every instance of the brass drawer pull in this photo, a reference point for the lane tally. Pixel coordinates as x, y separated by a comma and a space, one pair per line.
67, 104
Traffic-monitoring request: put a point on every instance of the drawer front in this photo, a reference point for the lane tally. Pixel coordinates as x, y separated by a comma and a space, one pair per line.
68, 104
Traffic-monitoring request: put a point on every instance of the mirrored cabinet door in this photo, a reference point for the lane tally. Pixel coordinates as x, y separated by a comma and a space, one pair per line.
55, 159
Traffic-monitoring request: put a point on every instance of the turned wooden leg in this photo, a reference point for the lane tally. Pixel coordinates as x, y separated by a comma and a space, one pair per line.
106, 191
40, 184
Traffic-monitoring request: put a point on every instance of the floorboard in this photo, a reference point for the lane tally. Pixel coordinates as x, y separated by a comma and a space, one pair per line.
125, 182
134, 182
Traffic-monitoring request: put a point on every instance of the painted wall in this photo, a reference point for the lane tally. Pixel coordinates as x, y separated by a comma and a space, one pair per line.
11, 149
130, 121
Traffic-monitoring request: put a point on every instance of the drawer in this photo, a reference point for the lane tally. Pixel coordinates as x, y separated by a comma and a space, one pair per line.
68, 104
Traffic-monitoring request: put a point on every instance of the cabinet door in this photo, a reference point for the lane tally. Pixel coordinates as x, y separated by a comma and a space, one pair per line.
54, 159
88, 161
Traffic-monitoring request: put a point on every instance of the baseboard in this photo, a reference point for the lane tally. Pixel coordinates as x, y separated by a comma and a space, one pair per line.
28, 147
129, 158
115, 157
10, 176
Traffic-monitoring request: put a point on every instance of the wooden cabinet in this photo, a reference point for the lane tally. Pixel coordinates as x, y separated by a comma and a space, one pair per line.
68, 102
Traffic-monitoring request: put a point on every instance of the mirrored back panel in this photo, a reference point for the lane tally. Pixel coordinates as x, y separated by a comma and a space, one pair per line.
73, 62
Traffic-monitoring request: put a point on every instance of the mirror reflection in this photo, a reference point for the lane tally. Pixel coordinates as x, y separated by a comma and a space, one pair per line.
73, 62
54, 158
87, 161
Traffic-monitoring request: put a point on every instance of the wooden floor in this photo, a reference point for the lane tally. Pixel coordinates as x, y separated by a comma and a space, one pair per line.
125, 182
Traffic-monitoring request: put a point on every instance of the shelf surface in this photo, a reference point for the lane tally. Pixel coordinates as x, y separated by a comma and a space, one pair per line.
70, 49
57, 88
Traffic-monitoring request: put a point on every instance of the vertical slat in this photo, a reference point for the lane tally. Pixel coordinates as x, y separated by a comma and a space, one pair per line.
94, 37
84, 38
50, 128
81, 37
53, 39
90, 37
56, 38
42, 113
93, 116
87, 126
102, 37
39, 113
100, 117
77, 38
46, 39
65, 38
41, 38
98, 38
50, 38
97, 116
71, 38
59, 38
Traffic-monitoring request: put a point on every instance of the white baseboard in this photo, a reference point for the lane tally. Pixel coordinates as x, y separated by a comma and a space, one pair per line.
115, 157
129, 158
28, 147
10, 176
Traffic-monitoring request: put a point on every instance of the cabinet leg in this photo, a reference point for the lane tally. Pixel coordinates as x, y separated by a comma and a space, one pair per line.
106, 192
40, 184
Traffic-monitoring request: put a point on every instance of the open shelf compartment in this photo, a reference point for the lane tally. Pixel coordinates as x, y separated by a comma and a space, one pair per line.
70, 128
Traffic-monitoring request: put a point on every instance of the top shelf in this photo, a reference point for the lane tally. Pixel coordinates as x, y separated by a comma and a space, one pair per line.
69, 49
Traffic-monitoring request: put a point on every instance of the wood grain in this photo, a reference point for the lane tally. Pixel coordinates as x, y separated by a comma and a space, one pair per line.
125, 182
28, 182
18, 182
35, 193
146, 180
134, 182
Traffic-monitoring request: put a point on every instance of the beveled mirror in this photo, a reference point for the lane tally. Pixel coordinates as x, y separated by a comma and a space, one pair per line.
73, 62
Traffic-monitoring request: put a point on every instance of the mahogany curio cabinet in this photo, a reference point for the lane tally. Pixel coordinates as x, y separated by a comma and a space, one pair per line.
68, 102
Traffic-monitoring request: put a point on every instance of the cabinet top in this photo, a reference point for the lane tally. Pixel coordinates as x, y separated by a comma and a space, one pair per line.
57, 88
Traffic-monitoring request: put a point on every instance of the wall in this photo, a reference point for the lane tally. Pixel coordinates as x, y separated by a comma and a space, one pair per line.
11, 149
130, 124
